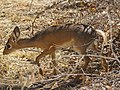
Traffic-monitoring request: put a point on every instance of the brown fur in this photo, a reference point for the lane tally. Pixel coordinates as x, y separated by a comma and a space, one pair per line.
79, 36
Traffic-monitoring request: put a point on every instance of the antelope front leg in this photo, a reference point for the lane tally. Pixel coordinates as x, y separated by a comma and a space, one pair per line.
37, 61
53, 59
54, 63
51, 51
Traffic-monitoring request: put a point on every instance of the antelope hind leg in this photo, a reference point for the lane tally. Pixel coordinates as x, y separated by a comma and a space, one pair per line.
82, 50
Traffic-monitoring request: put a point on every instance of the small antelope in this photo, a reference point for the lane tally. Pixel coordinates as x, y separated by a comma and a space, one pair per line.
79, 36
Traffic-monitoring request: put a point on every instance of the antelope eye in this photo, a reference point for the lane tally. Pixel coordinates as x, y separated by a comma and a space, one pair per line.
8, 46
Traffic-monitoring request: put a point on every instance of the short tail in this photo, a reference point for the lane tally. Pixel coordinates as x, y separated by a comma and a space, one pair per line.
100, 32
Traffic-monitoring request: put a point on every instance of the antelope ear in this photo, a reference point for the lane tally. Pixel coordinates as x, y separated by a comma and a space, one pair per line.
15, 34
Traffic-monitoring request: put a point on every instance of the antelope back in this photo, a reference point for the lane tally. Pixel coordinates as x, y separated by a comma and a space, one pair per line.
11, 44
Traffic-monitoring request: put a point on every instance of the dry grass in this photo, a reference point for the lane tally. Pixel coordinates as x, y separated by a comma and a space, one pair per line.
16, 71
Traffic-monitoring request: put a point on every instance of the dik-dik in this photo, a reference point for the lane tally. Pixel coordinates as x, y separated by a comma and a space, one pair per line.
79, 36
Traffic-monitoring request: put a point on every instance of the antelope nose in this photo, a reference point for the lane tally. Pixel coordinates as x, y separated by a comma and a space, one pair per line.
4, 53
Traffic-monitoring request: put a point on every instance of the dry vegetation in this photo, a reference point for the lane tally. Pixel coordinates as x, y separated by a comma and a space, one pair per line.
16, 71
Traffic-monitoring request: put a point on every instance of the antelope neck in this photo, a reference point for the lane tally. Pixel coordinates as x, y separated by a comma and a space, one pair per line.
25, 43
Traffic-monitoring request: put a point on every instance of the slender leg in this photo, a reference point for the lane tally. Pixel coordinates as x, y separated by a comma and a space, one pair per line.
82, 50
54, 63
87, 60
53, 59
103, 62
37, 62
51, 51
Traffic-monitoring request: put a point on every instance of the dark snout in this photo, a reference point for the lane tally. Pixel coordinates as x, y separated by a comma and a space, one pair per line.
5, 53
